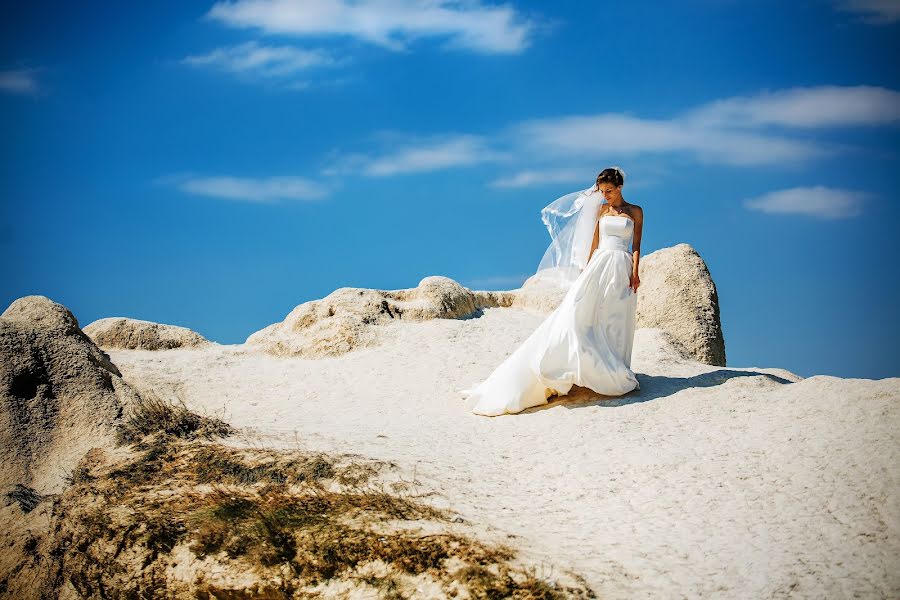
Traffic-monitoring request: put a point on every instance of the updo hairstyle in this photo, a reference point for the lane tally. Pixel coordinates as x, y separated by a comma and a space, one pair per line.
611, 175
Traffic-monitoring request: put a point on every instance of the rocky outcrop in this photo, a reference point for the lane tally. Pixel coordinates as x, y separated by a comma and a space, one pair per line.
678, 295
59, 394
134, 334
344, 320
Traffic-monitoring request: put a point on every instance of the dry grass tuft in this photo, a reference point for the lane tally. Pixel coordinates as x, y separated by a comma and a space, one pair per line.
150, 415
219, 464
24, 496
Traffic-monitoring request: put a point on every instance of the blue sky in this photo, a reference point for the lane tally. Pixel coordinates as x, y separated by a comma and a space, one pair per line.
214, 164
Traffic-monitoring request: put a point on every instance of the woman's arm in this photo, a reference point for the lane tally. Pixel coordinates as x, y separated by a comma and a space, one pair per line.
636, 247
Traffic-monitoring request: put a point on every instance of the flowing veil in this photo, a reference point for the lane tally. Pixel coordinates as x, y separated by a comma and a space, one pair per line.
570, 220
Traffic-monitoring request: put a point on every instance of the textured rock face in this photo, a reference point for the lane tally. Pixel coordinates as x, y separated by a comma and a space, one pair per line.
342, 320
60, 394
134, 334
677, 295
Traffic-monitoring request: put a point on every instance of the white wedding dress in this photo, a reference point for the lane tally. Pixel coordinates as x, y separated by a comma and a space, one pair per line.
586, 341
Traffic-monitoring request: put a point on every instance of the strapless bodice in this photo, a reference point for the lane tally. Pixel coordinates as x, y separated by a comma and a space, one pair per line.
616, 232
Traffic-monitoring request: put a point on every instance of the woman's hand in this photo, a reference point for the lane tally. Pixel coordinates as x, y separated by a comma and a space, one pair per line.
635, 282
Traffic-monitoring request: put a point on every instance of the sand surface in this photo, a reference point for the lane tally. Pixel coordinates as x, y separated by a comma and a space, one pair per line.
707, 482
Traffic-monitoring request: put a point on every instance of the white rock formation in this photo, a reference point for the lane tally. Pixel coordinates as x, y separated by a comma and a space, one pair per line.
346, 318
134, 334
677, 294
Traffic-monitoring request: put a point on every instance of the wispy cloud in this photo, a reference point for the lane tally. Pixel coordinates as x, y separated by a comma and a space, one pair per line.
541, 176
416, 155
770, 128
734, 131
624, 135
817, 201
251, 58
19, 81
466, 24
260, 190
872, 12
806, 108
255, 62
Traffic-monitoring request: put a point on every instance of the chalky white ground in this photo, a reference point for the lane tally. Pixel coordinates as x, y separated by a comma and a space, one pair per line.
708, 481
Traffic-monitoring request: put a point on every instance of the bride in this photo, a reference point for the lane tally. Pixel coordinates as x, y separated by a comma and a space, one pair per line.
587, 340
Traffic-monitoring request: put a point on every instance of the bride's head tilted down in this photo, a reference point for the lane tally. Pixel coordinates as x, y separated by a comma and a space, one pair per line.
609, 183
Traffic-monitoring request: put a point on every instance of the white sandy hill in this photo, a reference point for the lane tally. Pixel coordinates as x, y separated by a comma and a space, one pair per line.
708, 481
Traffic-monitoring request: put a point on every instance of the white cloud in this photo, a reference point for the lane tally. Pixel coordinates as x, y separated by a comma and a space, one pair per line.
583, 175
744, 131
873, 12
467, 24
822, 106
541, 176
261, 190
270, 62
416, 155
817, 201
734, 131
624, 135
19, 81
